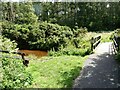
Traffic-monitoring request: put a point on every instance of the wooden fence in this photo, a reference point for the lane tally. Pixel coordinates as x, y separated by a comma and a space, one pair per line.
95, 41
25, 61
116, 43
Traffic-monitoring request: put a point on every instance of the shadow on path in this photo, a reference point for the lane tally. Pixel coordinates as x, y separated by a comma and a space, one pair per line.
99, 71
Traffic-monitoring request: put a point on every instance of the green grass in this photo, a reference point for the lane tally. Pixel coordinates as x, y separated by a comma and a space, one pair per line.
105, 36
55, 72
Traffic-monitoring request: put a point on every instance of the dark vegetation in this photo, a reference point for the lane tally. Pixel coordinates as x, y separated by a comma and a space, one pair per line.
117, 34
97, 16
44, 37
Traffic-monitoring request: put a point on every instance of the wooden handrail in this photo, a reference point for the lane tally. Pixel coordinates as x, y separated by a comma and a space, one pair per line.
95, 41
116, 43
25, 62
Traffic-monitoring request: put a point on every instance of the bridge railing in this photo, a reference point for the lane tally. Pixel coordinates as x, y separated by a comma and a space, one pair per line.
116, 43
95, 41
25, 62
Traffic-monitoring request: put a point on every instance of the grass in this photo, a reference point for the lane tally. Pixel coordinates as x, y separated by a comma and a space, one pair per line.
55, 72
61, 70
105, 36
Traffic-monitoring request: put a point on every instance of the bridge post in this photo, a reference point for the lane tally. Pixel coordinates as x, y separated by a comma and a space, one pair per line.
92, 42
118, 43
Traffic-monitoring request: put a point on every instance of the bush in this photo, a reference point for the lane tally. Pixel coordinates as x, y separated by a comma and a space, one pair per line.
50, 36
17, 32
13, 73
78, 45
47, 36
44, 37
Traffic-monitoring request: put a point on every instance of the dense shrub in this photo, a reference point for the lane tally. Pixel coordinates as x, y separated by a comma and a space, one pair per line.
12, 70
16, 32
50, 36
47, 36
83, 47
44, 37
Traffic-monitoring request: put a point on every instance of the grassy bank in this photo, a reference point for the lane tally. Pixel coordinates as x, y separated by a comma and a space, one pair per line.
55, 72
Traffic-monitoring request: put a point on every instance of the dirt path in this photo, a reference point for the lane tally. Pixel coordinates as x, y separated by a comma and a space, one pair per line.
100, 70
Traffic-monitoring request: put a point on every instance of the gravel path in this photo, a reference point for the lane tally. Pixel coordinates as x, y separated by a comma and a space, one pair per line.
100, 70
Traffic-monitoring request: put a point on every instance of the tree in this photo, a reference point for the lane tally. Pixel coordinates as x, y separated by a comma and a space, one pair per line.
19, 13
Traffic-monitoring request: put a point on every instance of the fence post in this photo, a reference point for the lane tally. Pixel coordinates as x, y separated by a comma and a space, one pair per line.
118, 43
92, 42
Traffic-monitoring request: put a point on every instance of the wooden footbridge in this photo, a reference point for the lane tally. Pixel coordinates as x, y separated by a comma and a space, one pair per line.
100, 70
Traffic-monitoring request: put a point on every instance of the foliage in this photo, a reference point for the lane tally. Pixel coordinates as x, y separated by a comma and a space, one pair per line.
106, 36
16, 32
50, 36
13, 73
70, 49
26, 14
117, 33
6, 44
79, 45
55, 72
117, 57
19, 13
96, 16
44, 37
